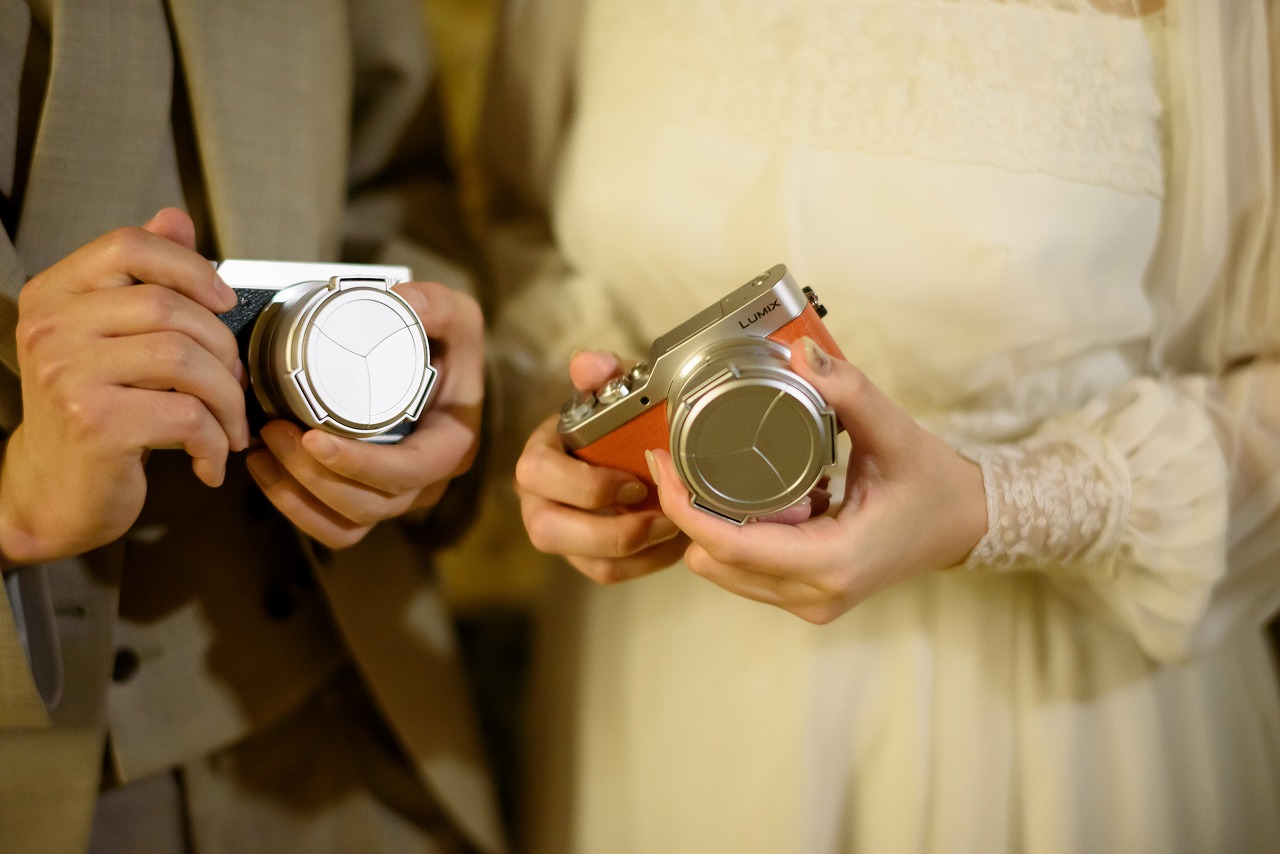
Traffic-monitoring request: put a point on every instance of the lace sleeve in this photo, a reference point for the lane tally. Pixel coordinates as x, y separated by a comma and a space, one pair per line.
1154, 506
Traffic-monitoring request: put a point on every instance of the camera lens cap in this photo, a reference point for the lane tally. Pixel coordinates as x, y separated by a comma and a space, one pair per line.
351, 356
752, 440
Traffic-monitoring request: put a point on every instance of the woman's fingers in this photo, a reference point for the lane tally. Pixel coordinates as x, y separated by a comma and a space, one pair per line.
547, 470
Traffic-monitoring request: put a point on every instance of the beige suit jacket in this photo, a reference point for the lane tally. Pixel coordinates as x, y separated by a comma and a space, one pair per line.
292, 105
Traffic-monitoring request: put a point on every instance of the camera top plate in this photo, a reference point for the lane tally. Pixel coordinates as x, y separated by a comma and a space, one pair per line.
757, 309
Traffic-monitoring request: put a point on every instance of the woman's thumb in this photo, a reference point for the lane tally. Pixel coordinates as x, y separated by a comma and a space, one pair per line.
870, 418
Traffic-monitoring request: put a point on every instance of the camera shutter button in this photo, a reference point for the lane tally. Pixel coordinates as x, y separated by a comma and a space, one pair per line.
613, 391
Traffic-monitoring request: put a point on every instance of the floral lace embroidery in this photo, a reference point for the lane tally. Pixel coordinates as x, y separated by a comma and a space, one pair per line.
1050, 502
1022, 85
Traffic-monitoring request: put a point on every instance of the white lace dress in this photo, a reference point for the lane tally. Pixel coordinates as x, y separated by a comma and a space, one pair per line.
1036, 226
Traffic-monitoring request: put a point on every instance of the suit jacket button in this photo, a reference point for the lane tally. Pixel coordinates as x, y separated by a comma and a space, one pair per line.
124, 665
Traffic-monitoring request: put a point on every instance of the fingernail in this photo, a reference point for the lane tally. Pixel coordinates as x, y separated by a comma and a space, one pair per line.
264, 468
225, 293
661, 530
215, 473
819, 361
631, 493
283, 440
652, 462
322, 447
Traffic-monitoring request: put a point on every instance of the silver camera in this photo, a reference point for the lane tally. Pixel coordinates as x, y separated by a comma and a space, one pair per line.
747, 435
330, 346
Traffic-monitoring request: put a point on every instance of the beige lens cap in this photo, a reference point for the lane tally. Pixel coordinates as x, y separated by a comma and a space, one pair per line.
747, 445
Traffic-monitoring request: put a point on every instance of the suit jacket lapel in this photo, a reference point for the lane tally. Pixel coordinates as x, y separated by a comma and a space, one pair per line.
15, 24
270, 92
110, 75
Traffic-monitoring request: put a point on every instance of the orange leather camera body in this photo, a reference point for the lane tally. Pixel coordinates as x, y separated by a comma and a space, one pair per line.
748, 436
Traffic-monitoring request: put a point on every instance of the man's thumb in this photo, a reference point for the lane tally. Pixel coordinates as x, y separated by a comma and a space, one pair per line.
173, 224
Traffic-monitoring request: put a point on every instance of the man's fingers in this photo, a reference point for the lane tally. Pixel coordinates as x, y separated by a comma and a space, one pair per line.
348, 498
454, 324
173, 224
164, 361
142, 419
121, 312
300, 506
130, 255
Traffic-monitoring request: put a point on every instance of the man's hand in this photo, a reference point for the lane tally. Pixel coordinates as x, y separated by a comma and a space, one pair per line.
336, 489
120, 351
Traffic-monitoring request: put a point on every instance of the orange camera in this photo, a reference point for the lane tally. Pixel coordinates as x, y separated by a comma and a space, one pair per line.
747, 435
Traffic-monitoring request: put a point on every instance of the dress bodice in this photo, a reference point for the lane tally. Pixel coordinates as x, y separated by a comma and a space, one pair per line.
973, 187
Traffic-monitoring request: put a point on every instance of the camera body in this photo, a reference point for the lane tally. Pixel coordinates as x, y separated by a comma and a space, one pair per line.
330, 346
747, 435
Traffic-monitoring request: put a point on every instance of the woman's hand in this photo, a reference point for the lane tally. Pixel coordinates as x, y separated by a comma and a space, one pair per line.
570, 507
911, 504
336, 489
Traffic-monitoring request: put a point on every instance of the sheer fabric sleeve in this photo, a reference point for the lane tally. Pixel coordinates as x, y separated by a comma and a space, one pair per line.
1160, 503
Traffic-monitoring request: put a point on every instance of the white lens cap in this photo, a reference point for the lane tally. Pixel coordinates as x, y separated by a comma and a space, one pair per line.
358, 358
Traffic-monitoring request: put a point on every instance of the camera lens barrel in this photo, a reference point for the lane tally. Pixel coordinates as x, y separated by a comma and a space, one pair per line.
748, 436
348, 355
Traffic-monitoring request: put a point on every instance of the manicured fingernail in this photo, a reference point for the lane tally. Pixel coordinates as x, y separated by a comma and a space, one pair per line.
819, 361
264, 468
652, 462
661, 530
322, 447
631, 493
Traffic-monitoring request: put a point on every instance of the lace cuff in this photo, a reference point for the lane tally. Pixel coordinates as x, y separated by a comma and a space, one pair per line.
1055, 501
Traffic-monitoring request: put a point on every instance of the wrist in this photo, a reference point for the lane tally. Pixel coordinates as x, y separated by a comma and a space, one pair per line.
1051, 502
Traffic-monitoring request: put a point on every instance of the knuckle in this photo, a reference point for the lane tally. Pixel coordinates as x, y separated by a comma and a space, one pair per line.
82, 414
188, 414
50, 373
365, 516
172, 350
818, 615
124, 244
32, 330
529, 469
343, 538
159, 305
600, 570
628, 537
470, 312
856, 383
541, 529
724, 551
